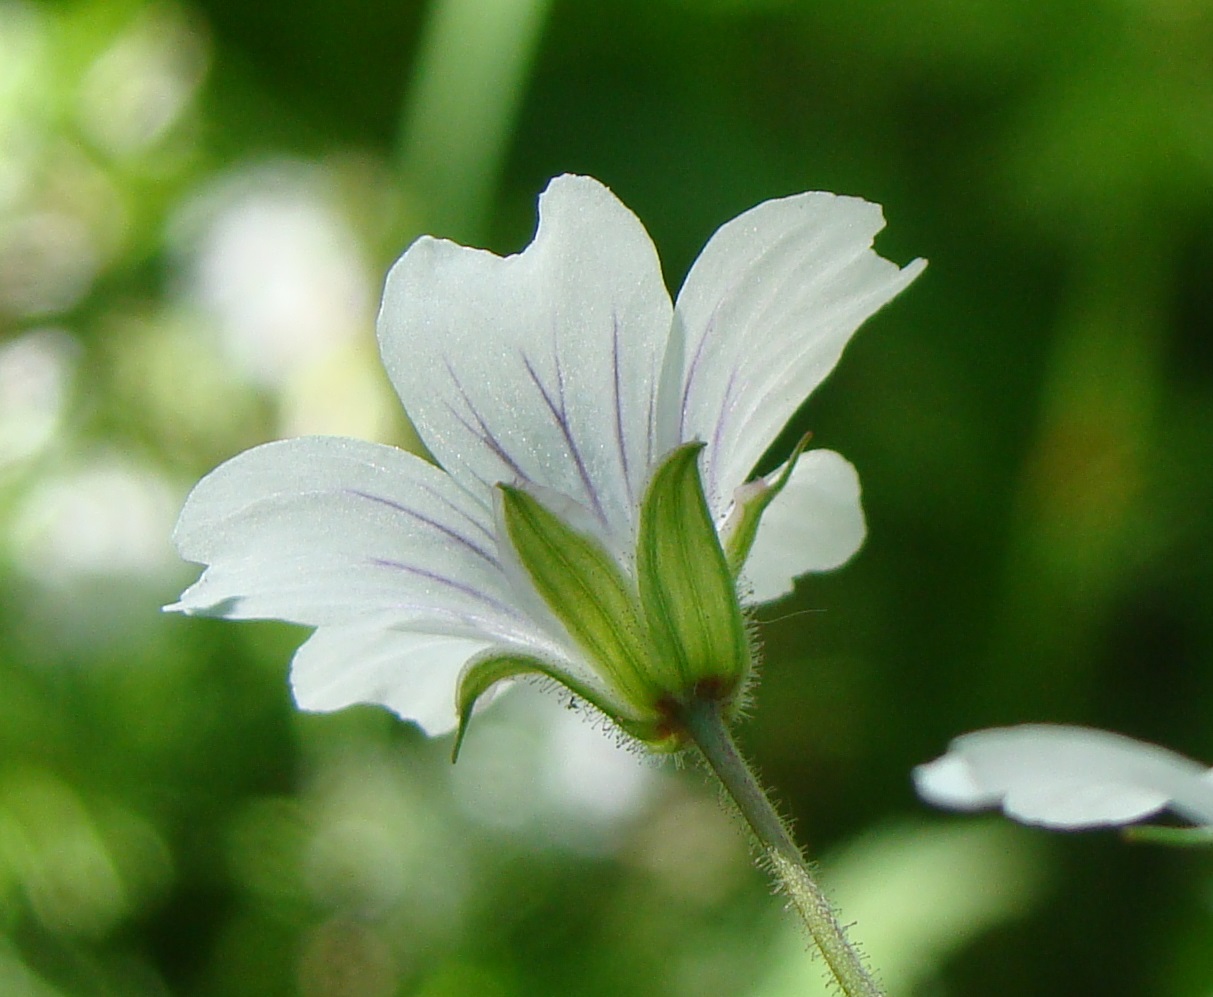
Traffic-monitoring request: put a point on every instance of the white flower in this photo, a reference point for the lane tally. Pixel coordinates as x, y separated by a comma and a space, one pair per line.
551, 387
1066, 777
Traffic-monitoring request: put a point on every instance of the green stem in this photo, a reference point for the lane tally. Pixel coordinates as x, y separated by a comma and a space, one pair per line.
707, 729
471, 74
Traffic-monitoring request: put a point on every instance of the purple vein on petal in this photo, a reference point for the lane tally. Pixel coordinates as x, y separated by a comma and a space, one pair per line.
692, 373
617, 382
722, 418
485, 435
651, 423
454, 534
739, 280
463, 514
556, 406
434, 576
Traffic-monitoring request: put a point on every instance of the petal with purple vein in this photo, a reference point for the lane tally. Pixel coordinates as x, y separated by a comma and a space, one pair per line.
541, 367
325, 531
763, 318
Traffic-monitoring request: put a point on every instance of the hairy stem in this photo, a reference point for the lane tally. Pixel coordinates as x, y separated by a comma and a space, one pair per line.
707, 729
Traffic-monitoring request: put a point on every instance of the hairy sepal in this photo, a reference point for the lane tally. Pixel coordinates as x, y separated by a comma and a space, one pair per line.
686, 587
750, 501
585, 589
485, 671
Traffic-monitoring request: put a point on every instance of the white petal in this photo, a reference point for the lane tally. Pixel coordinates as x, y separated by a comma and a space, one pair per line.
323, 530
765, 313
1068, 804
1066, 777
539, 367
414, 675
815, 524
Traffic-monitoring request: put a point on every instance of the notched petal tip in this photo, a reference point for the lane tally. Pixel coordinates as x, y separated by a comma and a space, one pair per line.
538, 367
194, 603
767, 309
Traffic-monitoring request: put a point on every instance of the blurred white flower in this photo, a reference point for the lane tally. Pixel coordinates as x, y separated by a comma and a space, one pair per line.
142, 83
277, 268
1066, 777
35, 372
554, 388
48, 261
105, 518
539, 770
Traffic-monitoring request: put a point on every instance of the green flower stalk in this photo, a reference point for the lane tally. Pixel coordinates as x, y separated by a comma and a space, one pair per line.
591, 518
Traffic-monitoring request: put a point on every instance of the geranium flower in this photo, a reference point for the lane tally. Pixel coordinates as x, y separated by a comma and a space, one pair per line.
589, 517
1066, 777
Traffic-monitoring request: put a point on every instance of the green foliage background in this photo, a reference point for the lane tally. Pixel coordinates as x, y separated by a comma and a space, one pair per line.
1033, 423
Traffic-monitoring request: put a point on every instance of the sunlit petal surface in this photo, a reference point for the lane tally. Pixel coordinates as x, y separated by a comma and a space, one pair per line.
540, 367
410, 673
766, 311
815, 524
323, 530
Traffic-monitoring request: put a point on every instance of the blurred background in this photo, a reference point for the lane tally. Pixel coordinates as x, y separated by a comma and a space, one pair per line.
197, 204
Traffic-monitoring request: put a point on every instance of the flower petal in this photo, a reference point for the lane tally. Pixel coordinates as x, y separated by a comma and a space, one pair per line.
414, 675
540, 367
323, 530
764, 315
1065, 777
815, 524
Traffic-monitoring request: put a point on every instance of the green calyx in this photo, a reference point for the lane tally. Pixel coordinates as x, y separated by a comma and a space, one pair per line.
672, 634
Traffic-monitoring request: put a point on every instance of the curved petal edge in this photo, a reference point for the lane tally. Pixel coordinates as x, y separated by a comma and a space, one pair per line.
815, 524
1066, 777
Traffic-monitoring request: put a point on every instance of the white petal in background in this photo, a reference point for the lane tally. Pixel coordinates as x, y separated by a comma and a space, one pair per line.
1066, 777
815, 524
541, 366
766, 311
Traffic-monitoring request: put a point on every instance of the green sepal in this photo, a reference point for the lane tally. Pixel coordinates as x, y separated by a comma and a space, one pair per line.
750, 501
583, 586
686, 588
481, 674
